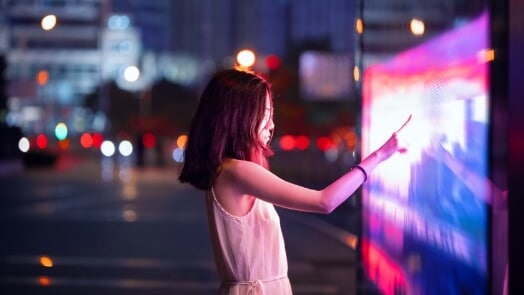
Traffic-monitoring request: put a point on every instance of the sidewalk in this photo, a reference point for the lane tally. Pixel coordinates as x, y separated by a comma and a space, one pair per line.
329, 250
321, 248
11, 167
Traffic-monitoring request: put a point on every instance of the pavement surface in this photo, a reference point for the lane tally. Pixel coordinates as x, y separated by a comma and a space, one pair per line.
93, 227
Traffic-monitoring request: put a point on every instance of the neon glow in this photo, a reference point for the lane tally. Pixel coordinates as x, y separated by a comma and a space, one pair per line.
424, 224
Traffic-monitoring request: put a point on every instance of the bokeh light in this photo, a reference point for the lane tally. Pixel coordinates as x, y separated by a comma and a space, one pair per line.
97, 140
41, 141
149, 140
287, 142
24, 145
356, 73
48, 22
178, 155
302, 142
417, 27
86, 140
181, 141
273, 62
359, 26
131, 74
125, 148
44, 281
118, 22
246, 58
42, 77
64, 144
107, 148
46, 261
324, 143
61, 131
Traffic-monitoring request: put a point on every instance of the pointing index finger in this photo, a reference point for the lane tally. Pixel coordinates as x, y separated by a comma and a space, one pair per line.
405, 123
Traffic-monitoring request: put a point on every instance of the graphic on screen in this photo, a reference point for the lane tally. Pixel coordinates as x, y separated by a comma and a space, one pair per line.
425, 212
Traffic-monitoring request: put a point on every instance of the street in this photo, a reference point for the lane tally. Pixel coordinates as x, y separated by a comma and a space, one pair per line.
73, 230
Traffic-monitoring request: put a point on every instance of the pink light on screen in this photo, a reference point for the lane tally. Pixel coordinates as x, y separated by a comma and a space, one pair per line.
388, 276
413, 203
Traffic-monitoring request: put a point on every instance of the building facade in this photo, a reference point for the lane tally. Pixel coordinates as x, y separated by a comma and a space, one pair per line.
50, 72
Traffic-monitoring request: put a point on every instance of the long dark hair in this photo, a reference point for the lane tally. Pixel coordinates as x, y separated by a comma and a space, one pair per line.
225, 125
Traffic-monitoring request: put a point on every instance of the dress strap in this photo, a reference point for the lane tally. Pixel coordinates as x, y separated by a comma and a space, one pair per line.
255, 286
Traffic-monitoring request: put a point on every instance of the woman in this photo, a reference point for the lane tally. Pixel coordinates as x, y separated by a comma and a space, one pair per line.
226, 156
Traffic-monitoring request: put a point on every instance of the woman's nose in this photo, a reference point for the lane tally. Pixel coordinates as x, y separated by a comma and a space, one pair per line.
271, 124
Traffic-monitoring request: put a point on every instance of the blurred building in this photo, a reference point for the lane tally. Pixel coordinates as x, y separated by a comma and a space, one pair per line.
389, 27
92, 42
58, 52
52, 62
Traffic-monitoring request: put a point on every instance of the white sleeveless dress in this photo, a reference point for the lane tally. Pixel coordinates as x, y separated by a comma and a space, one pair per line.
249, 250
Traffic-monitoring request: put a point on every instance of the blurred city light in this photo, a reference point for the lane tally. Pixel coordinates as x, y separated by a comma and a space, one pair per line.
44, 281
359, 26
64, 144
125, 148
118, 22
356, 73
273, 62
130, 215
86, 140
46, 261
287, 142
42, 77
178, 155
302, 142
246, 58
24, 145
486, 55
149, 140
48, 22
417, 27
131, 74
97, 140
107, 148
181, 141
41, 141
324, 143
351, 140
61, 131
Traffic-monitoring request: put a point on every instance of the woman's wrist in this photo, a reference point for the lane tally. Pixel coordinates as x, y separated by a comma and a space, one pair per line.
364, 172
379, 155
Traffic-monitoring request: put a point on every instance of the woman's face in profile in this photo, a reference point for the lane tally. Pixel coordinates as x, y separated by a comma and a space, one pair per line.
265, 130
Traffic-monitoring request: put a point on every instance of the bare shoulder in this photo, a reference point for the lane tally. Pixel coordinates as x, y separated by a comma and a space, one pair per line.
245, 175
238, 168
231, 184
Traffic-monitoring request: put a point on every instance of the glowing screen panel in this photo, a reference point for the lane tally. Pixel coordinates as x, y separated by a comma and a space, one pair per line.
425, 212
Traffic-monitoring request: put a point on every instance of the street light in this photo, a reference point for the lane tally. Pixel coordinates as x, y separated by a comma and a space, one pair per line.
246, 58
131, 74
48, 22
417, 27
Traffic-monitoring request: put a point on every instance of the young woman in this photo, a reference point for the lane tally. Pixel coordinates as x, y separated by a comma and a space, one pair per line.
226, 156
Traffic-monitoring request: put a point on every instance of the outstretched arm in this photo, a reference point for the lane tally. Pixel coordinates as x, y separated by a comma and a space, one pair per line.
338, 191
251, 179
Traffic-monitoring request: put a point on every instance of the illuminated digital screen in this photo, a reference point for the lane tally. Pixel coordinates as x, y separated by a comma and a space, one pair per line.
425, 212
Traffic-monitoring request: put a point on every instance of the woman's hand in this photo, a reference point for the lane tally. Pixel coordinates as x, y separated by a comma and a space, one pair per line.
391, 146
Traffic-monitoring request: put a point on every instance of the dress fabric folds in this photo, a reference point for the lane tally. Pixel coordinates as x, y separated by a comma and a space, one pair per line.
249, 250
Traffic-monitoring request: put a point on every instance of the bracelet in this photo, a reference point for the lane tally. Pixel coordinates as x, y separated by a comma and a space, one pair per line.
363, 171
